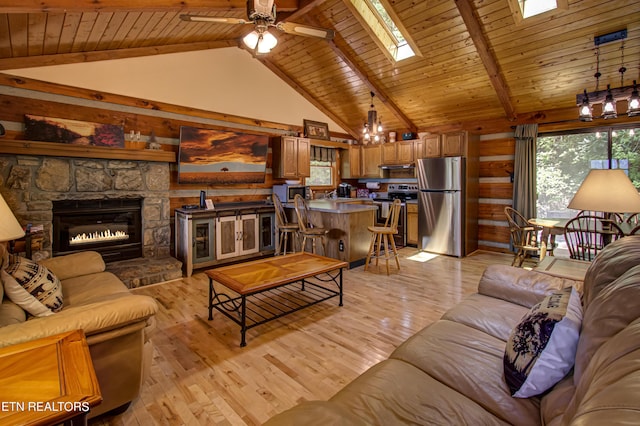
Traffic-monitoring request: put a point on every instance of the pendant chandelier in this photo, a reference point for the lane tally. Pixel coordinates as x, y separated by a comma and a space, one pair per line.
372, 130
609, 97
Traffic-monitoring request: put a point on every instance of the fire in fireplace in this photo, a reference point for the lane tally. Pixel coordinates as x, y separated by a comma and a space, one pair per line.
112, 227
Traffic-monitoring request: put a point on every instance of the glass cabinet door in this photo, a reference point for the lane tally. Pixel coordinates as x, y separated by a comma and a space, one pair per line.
203, 239
267, 231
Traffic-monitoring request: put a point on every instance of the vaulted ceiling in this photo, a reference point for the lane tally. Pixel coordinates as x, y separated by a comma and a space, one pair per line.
478, 65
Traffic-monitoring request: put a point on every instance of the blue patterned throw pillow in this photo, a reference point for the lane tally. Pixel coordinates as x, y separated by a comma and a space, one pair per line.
542, 347
32, 286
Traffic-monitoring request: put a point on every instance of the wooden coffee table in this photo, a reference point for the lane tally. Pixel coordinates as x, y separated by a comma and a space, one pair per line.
266, 289
48, 381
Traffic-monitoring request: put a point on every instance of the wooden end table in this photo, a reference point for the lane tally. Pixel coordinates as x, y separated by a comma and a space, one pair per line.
48, 381
266, 289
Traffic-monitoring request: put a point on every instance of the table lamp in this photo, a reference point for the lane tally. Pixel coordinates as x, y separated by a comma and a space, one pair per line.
10, 228
607, 191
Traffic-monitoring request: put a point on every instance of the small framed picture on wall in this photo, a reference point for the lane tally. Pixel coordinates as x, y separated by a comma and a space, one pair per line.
316, 130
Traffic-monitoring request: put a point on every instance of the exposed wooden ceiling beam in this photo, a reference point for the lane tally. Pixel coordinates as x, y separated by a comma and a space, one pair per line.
362, 75
32, 6
469, 16
295, 86
304, 7
78, 57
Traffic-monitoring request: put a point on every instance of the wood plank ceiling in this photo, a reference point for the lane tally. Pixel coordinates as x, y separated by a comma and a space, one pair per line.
477, 65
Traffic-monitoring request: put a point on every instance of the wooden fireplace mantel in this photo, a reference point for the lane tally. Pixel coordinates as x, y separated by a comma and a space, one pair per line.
55, 149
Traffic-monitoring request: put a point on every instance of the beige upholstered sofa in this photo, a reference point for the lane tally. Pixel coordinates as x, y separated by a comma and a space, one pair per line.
452, 371
116, 323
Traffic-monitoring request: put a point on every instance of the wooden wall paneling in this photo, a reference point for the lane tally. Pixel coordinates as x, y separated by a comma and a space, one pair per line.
496, 190
503, 146
490, 211
496, 168
497, 234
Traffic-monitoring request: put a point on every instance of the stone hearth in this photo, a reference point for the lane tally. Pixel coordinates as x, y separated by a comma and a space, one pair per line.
140, 272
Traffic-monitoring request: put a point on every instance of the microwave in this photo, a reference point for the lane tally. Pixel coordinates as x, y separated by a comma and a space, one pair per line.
287, 192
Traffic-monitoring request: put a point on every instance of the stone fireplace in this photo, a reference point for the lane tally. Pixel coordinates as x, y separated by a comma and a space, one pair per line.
32, 186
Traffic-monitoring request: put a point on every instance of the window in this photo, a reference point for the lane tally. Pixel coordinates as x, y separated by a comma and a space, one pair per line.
564, 160
531, 10
323, 166
386, 28
535, 7
321, 174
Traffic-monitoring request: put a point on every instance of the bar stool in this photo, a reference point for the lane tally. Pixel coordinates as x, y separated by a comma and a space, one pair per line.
380, 235
306, 229
284, 227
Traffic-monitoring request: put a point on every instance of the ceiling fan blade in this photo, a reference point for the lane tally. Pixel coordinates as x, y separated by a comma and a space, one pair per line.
215, 19
305, 30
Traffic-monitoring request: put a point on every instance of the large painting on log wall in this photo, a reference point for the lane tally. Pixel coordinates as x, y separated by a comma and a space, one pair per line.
49, 129
221, 156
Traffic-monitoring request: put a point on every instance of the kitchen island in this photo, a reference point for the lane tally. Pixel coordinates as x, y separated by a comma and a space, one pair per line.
347, 220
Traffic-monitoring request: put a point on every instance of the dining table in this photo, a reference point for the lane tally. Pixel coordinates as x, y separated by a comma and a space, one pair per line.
553, 226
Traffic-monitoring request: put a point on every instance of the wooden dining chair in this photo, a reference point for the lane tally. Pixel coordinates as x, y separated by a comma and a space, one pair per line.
383, 236
587, 235
306, 228
284, 228
634, 219
524, 237
635, 231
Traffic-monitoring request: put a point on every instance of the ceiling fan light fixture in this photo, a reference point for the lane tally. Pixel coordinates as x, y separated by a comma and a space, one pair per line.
260, 42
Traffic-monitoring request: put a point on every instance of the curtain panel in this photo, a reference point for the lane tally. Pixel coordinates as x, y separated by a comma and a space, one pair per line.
524, 179
320, 153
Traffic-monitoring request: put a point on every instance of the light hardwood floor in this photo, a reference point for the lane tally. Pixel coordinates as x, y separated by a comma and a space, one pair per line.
201, 376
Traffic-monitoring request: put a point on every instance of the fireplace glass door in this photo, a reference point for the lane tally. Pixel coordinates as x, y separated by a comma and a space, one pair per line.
111, 227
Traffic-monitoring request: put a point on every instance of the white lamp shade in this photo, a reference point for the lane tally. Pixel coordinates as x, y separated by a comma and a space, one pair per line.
608, 191
10, 228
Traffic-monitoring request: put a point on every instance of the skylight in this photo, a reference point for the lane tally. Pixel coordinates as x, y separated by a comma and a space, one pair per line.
536, 7
387, 31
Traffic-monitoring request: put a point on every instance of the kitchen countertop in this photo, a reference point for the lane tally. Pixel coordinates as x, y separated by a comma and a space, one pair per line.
339, 205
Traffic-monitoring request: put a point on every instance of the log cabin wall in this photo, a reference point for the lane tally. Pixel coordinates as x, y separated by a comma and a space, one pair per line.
22, 96
497, 152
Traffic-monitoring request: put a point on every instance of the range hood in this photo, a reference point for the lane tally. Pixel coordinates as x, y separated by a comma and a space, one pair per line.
397, 166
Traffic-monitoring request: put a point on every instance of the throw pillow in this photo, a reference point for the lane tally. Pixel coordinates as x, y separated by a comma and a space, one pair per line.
32, 286
542, 347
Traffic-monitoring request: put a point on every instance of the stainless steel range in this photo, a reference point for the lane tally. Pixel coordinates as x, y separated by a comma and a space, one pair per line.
402, 192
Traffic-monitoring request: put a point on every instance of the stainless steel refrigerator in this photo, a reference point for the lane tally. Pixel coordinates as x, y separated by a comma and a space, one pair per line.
441, 205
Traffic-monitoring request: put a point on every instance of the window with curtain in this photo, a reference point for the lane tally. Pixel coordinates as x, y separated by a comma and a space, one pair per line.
564, 160
323, 163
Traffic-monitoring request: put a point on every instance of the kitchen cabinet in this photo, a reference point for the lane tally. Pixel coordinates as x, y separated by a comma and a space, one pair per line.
291, 157
454, 144
237, 235
451, 144
351, 162
432, 146
228, 233
412, 224
400, 152
371, 160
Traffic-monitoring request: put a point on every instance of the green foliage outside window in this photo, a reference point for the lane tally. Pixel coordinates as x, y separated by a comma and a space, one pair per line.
563, 161
321, 174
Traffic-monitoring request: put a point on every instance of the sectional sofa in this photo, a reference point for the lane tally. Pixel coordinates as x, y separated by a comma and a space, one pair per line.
458, 370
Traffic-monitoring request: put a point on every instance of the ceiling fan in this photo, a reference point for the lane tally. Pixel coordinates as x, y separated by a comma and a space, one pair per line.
262, 14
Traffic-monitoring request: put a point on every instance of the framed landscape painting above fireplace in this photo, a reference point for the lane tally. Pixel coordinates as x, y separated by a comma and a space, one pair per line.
48, 129
221, 156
